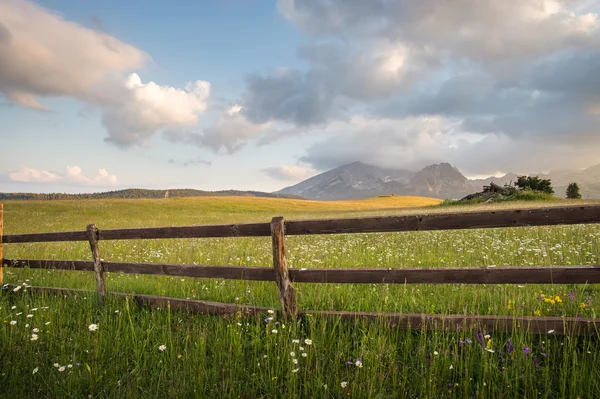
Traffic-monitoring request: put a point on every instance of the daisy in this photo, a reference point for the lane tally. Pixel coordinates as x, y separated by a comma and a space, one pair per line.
93, 327
308, 341
162, 348
344, 384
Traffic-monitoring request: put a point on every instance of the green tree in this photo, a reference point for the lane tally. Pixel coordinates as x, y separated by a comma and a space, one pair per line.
534, 183
573, 191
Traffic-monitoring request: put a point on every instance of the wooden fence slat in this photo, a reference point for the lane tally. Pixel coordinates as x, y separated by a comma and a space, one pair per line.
432, 221
287, 293
47, 237
412, 321
449, 221
92, 231
470, 275
229, 230
464, 275
82, 265
164, 269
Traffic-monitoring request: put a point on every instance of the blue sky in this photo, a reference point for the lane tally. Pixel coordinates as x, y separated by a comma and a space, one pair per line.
258, 95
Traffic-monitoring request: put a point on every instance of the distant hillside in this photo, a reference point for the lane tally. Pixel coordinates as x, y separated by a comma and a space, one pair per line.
587, 179
143, 193
358, 180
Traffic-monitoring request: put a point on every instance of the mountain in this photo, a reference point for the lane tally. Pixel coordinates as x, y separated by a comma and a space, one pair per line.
358, 180
441, 180
353, 181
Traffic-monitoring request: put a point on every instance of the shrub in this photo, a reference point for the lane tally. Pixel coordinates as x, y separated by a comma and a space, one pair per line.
573, 191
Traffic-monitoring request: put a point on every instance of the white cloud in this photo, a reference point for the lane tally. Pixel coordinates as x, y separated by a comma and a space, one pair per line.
290, 173
73, 175
147, 108
25, 174
230, 132
43, 55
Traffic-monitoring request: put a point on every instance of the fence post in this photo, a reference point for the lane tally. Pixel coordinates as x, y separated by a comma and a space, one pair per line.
287, 293
1, 254
92, 231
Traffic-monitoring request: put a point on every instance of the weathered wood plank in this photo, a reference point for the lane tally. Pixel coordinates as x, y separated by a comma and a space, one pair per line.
470, 275
453, 322
92, 231
229, 230
199, 271
449, 221
83, 265
193, 306
467, 275
287, 293
407, 321
47, 237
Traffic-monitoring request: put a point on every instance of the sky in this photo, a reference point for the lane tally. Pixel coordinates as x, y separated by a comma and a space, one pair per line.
259, 95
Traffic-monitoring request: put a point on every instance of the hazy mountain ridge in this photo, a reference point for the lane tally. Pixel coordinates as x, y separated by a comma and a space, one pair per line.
358, 180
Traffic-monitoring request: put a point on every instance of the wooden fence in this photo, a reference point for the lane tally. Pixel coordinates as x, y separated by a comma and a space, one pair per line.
285, 277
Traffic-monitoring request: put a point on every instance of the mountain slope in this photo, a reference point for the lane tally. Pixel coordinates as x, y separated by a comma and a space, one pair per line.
358, 180
353, 181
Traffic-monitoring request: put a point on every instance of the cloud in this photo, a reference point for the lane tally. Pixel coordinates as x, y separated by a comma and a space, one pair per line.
413, 143
72, 175
25, 174
481, 30
36, 60
44, 55
190, 162
146, 108
230, 132
289, 173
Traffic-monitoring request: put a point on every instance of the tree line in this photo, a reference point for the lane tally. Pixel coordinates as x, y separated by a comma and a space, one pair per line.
136, 193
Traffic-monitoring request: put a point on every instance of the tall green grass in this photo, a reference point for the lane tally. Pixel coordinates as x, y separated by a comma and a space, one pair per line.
209, 356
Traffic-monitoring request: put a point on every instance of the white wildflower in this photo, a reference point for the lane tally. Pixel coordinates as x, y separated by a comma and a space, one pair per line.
162, 348
93, 327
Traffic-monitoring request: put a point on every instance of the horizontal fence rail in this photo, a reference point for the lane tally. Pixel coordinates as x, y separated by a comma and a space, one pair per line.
437, 221
407, 321
284, 276
450, 275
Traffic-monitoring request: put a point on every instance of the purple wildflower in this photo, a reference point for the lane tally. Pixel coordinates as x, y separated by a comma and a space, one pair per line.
349, 362
468, 340
571, 295
461, 342
526, 350
535, 361
509, 347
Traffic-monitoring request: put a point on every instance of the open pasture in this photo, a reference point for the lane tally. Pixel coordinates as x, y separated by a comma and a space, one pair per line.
215, 357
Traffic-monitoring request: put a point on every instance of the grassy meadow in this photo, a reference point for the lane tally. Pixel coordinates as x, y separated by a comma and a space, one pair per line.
73, 347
